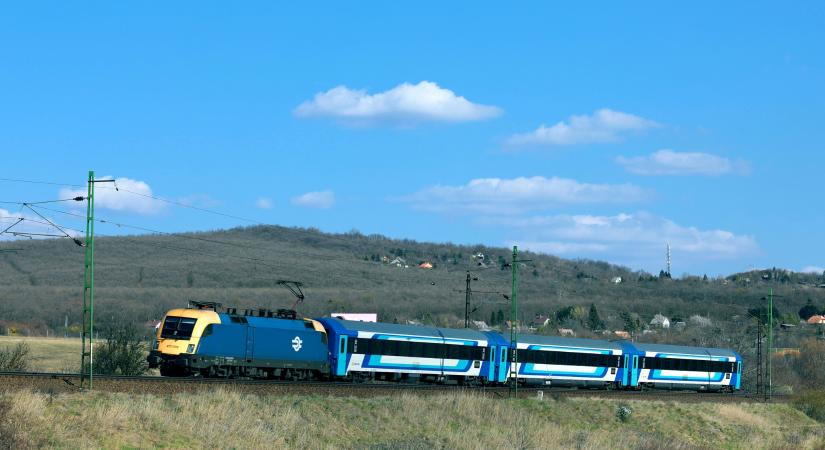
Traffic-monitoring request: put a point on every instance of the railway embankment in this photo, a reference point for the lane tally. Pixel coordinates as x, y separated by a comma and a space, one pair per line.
225, 418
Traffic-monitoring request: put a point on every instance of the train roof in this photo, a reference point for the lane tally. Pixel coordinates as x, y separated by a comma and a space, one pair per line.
268, 322
566, 341
701, 351
415, 330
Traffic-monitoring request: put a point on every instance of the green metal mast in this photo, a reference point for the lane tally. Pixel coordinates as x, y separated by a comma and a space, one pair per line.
769, 391
87, 351
513, 324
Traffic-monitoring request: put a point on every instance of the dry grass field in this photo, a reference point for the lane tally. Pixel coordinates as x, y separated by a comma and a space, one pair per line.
457, 421
48, 354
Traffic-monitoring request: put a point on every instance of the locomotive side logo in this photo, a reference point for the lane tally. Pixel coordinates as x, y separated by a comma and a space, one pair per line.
297, 343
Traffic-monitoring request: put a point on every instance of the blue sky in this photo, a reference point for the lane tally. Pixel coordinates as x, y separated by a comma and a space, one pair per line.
598, 130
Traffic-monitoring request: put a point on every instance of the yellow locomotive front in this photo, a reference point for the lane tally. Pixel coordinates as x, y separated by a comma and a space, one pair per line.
178, 334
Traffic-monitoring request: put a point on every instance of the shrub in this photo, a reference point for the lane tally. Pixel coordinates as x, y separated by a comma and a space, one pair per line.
123, 353
14, 359
812, 403
623, 413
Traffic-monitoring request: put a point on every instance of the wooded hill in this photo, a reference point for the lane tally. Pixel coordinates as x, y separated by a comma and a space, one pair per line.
139, 277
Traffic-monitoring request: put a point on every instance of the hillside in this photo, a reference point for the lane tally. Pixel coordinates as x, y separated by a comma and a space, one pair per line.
140, 277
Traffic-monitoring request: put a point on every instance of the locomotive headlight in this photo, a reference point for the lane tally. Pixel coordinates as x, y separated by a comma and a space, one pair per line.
190, 348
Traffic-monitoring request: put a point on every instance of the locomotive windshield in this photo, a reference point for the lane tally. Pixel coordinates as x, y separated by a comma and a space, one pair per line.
177, 327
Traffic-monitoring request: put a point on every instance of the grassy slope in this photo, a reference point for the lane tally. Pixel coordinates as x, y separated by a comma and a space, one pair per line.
229, 420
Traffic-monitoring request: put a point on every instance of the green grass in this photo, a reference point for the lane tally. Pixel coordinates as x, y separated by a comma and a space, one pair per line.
457, 421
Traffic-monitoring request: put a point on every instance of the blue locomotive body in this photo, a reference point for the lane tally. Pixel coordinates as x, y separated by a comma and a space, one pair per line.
254, 347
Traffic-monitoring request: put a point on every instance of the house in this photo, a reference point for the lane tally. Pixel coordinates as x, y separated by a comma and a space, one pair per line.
368, 317
398, 262
481, 325
425, 265
540, 321
816, 320
660, 321
566, 332
621, 334
616, 280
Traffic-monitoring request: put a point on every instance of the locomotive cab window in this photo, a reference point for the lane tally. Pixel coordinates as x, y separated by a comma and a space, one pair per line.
177, 327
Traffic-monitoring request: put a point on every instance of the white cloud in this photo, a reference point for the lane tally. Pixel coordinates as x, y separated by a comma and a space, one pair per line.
511, 196
604, 125
263, 203
813, 269
637, 239
132, 196
669, 162
405, 103
319, 199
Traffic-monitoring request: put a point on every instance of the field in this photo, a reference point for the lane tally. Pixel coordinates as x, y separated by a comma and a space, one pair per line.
464, 421
48, 354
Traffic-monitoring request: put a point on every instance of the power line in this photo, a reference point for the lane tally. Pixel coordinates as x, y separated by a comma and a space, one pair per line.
17, 180
184, 205
21, 219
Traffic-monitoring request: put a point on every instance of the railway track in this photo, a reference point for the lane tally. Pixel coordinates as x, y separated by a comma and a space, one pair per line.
56, 383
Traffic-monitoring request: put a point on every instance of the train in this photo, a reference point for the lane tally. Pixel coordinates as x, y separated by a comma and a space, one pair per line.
200, 341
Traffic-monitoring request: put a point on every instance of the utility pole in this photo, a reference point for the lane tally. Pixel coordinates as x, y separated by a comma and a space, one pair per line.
467, 293
513, 321
769, 391
88, 333
88, 287
758, 356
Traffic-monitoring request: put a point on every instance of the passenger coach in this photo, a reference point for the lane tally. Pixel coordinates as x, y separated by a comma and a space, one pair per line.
369, 350
561, 361
677, 367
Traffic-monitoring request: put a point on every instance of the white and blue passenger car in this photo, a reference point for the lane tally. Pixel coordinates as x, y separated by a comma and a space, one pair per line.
369, 350
561, 361
696, 368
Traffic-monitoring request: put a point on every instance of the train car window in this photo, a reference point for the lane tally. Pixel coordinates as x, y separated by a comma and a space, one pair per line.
341, 348
237, 319
309, 325
207, 331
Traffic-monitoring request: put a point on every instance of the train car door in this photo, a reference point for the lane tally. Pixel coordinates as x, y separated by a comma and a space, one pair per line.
738, 374
626, 371
502, 364
491, 372
634, 374
250, 343
341, 363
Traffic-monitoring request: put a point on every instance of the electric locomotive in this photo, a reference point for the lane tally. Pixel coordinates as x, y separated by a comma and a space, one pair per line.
200, 341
